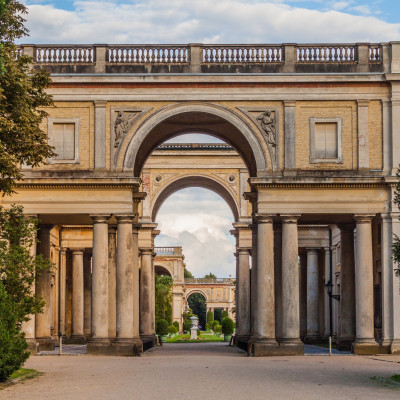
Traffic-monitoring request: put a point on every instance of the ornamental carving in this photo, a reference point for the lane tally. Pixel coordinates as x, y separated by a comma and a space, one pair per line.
268, 124
122, 124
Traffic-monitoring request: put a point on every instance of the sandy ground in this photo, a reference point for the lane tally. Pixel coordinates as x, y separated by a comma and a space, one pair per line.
206, 371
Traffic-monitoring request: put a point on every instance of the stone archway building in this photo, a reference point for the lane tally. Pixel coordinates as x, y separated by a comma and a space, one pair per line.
317, 128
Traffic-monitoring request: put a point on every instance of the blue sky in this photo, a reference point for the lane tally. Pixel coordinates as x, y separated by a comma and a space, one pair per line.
210, 21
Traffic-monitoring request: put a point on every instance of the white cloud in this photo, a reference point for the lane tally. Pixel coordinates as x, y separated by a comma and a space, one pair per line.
182, 21
199, 221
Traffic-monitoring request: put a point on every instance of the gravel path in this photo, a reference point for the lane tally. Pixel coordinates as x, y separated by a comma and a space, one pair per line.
204, 371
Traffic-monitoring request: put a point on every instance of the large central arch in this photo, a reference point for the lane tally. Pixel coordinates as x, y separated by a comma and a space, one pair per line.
177, 118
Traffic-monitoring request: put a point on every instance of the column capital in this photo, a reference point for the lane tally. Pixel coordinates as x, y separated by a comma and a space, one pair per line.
63, 250
243, 250
146, 250
77, 250
100, 218
349, 227
264, 218
363, 218
290, 218
311, 250
125, 218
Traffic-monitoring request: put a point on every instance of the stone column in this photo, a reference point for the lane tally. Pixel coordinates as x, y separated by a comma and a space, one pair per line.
393, 296
243, 294
364, 287
347, 332
290, 287
87, 294
303, 296
146, 293
77, 297
265, 343
312, 296
100, 341
136, 285
124, 279
278, 278
327, 300
43, 290
253, 280
112, 282
63, 290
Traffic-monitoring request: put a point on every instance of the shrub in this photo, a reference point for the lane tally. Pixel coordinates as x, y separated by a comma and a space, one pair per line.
214, 324
161, 327
225, 314
217, 328
186, 326
172, 330
227, 326
12, 341
210, 316
198, 332
176, 325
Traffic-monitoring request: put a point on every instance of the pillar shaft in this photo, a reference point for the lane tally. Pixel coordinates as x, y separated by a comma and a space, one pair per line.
278, 279
77, 293
87, 284
364, 284
243, 293
63, 290
136, 293
265, 318
312, 295
124, 279
290, 281
112, 282
100, 280
327, 300
146, 301
253, 282
347, 332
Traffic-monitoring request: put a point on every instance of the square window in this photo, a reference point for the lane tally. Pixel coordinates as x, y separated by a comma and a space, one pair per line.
326, 140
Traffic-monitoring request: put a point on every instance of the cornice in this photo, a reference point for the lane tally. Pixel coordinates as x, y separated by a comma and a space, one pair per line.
76, 186
316, 185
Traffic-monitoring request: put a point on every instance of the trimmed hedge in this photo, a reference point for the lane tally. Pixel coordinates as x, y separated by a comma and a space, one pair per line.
227, 326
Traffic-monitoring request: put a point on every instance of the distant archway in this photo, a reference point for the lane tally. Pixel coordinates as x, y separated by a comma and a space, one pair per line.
197, 302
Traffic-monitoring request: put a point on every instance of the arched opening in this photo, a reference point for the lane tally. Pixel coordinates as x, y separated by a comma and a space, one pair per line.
162, 271
197, 302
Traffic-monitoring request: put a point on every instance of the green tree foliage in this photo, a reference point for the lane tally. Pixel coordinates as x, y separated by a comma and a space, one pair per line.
12, 341
210, 276
172, 330
176, 325
163, 297
197, 304
186, 320
225, 314
227, 326
18, 268
22, 98
396, 240
187, 274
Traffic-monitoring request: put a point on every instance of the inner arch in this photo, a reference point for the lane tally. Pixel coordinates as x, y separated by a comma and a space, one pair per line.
195, 181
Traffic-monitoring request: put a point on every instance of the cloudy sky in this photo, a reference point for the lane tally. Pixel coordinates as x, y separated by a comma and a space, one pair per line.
197, 219
210, 21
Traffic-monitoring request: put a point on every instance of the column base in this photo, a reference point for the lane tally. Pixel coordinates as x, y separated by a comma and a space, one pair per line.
99, 347
264, 347
395, 347
291, 347
148, 341
345, 344
46, 344
33, 346
369, 348
311, 339
75, 339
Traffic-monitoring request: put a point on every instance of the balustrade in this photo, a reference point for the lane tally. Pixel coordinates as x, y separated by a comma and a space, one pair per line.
148, 54
375, 54
336, 53
241, 54
64, 54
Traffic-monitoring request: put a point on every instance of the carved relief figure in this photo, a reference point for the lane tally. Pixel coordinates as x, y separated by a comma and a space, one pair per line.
122, 124
268, 124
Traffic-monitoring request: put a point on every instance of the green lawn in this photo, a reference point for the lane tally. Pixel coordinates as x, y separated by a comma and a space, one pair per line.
204, 337
21, 375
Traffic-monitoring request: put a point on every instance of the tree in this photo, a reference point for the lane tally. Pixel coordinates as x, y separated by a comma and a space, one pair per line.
210, 276
163, 297
197, 304
12, 341
210, 316
22, 98
18, 268
187, 274
225, 314
396, 240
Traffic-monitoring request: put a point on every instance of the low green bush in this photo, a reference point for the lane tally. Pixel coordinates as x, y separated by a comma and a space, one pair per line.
214, 324
227, 326
162, 327
217, 328
176, 325
172, 330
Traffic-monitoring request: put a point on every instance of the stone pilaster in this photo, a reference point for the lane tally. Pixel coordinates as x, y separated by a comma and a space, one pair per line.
290, 287
112, 282
146, 303
243, 294
347, 332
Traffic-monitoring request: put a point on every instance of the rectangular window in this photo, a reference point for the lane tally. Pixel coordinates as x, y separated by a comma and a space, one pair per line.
326, 140
64, 137
64, 141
